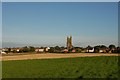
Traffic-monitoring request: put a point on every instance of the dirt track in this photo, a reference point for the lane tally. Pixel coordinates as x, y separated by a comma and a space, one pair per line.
53, 55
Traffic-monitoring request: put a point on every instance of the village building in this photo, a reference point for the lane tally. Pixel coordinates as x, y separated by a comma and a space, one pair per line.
69, 42
39, 50
102, 51
47, 49
73, 50
15, 50
90, 50
65, 50
3, 50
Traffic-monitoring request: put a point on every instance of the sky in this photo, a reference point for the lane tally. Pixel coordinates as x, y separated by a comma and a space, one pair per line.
0, 24
59, 0
49, 23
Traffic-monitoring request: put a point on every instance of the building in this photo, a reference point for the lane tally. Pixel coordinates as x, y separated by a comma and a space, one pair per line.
39, 50
69, 42
2, 51
90, 50
14, 50
73, 50
65, 51
47, 49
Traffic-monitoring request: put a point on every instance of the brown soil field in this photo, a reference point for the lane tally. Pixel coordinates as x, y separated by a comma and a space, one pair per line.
53, 55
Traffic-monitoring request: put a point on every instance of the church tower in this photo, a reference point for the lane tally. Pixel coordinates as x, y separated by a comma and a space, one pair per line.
69, 42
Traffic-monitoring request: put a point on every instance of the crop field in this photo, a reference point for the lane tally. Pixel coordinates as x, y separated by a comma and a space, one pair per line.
80, 67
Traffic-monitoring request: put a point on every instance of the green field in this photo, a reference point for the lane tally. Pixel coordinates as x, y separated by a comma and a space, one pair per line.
83, 67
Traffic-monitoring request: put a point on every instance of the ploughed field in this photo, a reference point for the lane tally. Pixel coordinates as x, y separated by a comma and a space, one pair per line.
80, 67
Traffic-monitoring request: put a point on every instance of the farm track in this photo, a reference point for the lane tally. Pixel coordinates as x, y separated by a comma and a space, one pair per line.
53, 55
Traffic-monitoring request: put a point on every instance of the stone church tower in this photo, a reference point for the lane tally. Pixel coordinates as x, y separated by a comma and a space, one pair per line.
69, 42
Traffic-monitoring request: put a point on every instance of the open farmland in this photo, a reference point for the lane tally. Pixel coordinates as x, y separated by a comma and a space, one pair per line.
24, 56
80, 67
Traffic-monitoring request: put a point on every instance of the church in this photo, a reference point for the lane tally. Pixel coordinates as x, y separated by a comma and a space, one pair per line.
69, 42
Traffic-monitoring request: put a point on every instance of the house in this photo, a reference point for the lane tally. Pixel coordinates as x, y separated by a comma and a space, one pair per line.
103, 50
15, 50
5, 49
73, 51
47, 49
39, 50
2, 51
65, 50
90, 50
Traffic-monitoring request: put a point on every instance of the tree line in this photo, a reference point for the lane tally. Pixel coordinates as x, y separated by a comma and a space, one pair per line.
57, 49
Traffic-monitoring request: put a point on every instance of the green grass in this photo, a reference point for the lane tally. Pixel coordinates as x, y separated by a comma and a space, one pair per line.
84, 67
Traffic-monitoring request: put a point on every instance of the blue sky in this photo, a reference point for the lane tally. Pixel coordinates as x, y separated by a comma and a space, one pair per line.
48, 24
0, 24
60, 0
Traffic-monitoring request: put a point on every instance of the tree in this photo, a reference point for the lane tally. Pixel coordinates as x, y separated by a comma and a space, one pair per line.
31, 49
62, 47
25, 49
96, 49
9, 50
89, 48
78, 50
103, 47
118, 49
57, 48
111, 47
51, 50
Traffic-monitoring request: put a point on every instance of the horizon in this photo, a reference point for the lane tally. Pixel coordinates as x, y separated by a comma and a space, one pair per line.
23, 45
49, 24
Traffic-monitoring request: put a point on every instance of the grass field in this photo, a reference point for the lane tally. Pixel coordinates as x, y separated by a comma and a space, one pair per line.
83, 67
